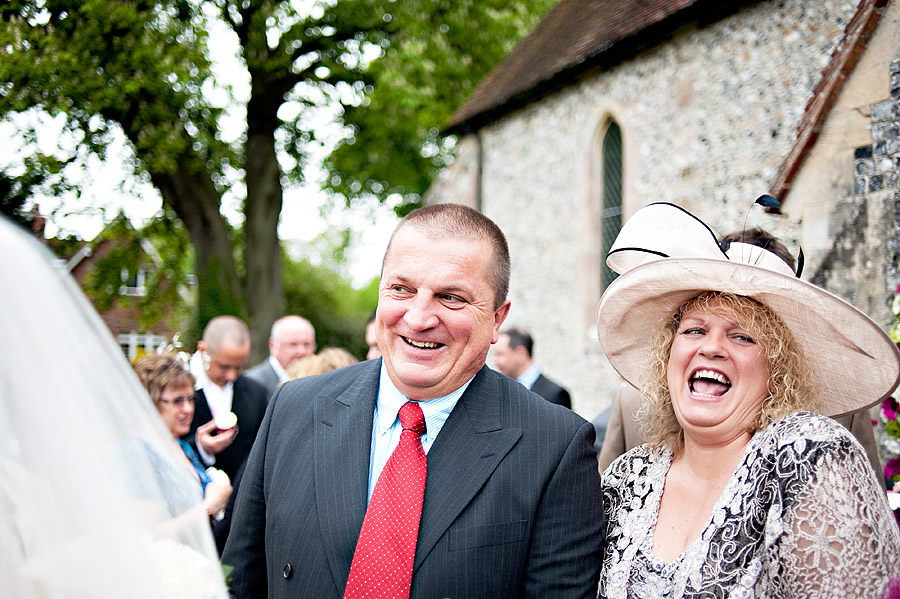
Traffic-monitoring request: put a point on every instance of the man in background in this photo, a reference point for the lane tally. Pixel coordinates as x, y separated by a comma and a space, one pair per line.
221, 356
371, 338
292, 338
512, 357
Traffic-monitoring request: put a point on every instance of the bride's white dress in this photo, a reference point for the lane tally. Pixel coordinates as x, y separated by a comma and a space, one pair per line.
801, 517
81, 515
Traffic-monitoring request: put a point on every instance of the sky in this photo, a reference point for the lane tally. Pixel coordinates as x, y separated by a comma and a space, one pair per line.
108, 187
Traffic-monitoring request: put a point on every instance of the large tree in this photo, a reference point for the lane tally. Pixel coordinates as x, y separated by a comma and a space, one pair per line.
440, 51
144, 68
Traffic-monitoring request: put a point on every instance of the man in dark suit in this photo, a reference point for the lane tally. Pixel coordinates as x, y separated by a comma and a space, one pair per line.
292, 338
512, 357
511, 505
217, 365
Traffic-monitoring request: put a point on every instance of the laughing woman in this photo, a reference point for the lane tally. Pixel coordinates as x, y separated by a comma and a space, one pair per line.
744, 488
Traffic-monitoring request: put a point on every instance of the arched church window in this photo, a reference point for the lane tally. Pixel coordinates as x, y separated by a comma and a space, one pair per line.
611, 196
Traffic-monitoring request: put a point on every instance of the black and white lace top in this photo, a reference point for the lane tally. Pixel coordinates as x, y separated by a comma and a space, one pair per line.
802, 516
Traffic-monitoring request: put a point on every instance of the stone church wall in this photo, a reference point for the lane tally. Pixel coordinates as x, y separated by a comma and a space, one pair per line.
707, 119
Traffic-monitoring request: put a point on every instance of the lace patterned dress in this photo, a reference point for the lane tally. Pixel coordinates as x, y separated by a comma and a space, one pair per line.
802, 516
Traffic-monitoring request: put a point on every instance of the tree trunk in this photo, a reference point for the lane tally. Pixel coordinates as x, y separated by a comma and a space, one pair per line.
262, 208
262, 253
195, 200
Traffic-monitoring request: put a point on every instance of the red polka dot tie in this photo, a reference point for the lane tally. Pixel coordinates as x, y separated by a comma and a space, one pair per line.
383, 563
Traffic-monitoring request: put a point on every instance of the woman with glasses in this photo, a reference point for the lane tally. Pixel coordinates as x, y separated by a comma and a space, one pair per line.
171, 387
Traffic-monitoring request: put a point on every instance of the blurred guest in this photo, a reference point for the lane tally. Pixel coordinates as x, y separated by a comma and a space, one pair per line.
623, 431
372, 337
220, 389
330, 358
292, 338
171, 387
512, 357
601, 424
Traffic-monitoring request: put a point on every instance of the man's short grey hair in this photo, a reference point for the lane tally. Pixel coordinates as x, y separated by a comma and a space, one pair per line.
455, 221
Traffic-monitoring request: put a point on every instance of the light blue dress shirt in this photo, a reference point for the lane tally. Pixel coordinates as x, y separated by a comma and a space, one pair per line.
386, 426
529, 377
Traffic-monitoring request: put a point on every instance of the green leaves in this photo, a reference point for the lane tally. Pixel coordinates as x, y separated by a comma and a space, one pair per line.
137, 64
436, 53
893, 428
337, 310
156, 257
392, 71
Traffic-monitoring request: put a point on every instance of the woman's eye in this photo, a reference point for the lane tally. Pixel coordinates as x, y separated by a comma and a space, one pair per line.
693, 331
744, 338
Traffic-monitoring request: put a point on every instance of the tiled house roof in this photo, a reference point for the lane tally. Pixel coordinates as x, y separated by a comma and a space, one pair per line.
574, 37
843, 60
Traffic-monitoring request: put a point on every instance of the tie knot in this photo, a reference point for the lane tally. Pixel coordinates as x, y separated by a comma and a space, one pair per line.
411, 418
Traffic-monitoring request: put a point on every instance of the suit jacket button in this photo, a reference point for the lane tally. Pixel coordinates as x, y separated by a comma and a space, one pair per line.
287, 571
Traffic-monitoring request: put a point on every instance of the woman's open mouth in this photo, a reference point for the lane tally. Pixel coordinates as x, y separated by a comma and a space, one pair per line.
709, 383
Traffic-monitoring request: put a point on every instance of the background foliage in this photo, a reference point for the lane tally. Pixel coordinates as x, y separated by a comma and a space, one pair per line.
390, 72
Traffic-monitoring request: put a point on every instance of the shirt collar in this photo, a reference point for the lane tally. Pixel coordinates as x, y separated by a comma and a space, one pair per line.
202, 379
278, 368
390, 400
528, 377
199, 372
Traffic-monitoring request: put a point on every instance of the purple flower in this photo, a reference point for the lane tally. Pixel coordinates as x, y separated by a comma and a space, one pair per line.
889, 408
892, 590
892, 468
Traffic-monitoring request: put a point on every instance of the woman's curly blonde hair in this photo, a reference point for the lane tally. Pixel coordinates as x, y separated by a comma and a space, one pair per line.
790, 385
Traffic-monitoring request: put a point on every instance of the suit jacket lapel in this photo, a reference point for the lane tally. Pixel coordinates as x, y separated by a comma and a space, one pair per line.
272, 378
468, 449
202, 413
343, 442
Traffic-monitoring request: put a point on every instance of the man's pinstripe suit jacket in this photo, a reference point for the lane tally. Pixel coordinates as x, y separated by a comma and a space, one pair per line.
512, 502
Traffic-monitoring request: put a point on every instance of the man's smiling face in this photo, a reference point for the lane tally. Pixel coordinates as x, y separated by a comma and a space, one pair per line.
436, 318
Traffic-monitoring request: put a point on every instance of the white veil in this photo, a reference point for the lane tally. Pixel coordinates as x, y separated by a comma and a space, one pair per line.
94, 501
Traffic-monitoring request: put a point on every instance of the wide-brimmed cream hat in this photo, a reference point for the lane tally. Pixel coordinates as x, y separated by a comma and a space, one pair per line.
665, 256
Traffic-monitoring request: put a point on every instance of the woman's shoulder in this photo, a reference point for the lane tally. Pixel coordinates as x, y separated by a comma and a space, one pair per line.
639, 461
807, 425
806, 434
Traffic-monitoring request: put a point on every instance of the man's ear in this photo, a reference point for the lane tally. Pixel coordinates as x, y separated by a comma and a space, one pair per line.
500, 315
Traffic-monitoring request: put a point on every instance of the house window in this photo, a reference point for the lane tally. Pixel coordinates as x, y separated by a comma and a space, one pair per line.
611, 196
133, 283
136, 345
